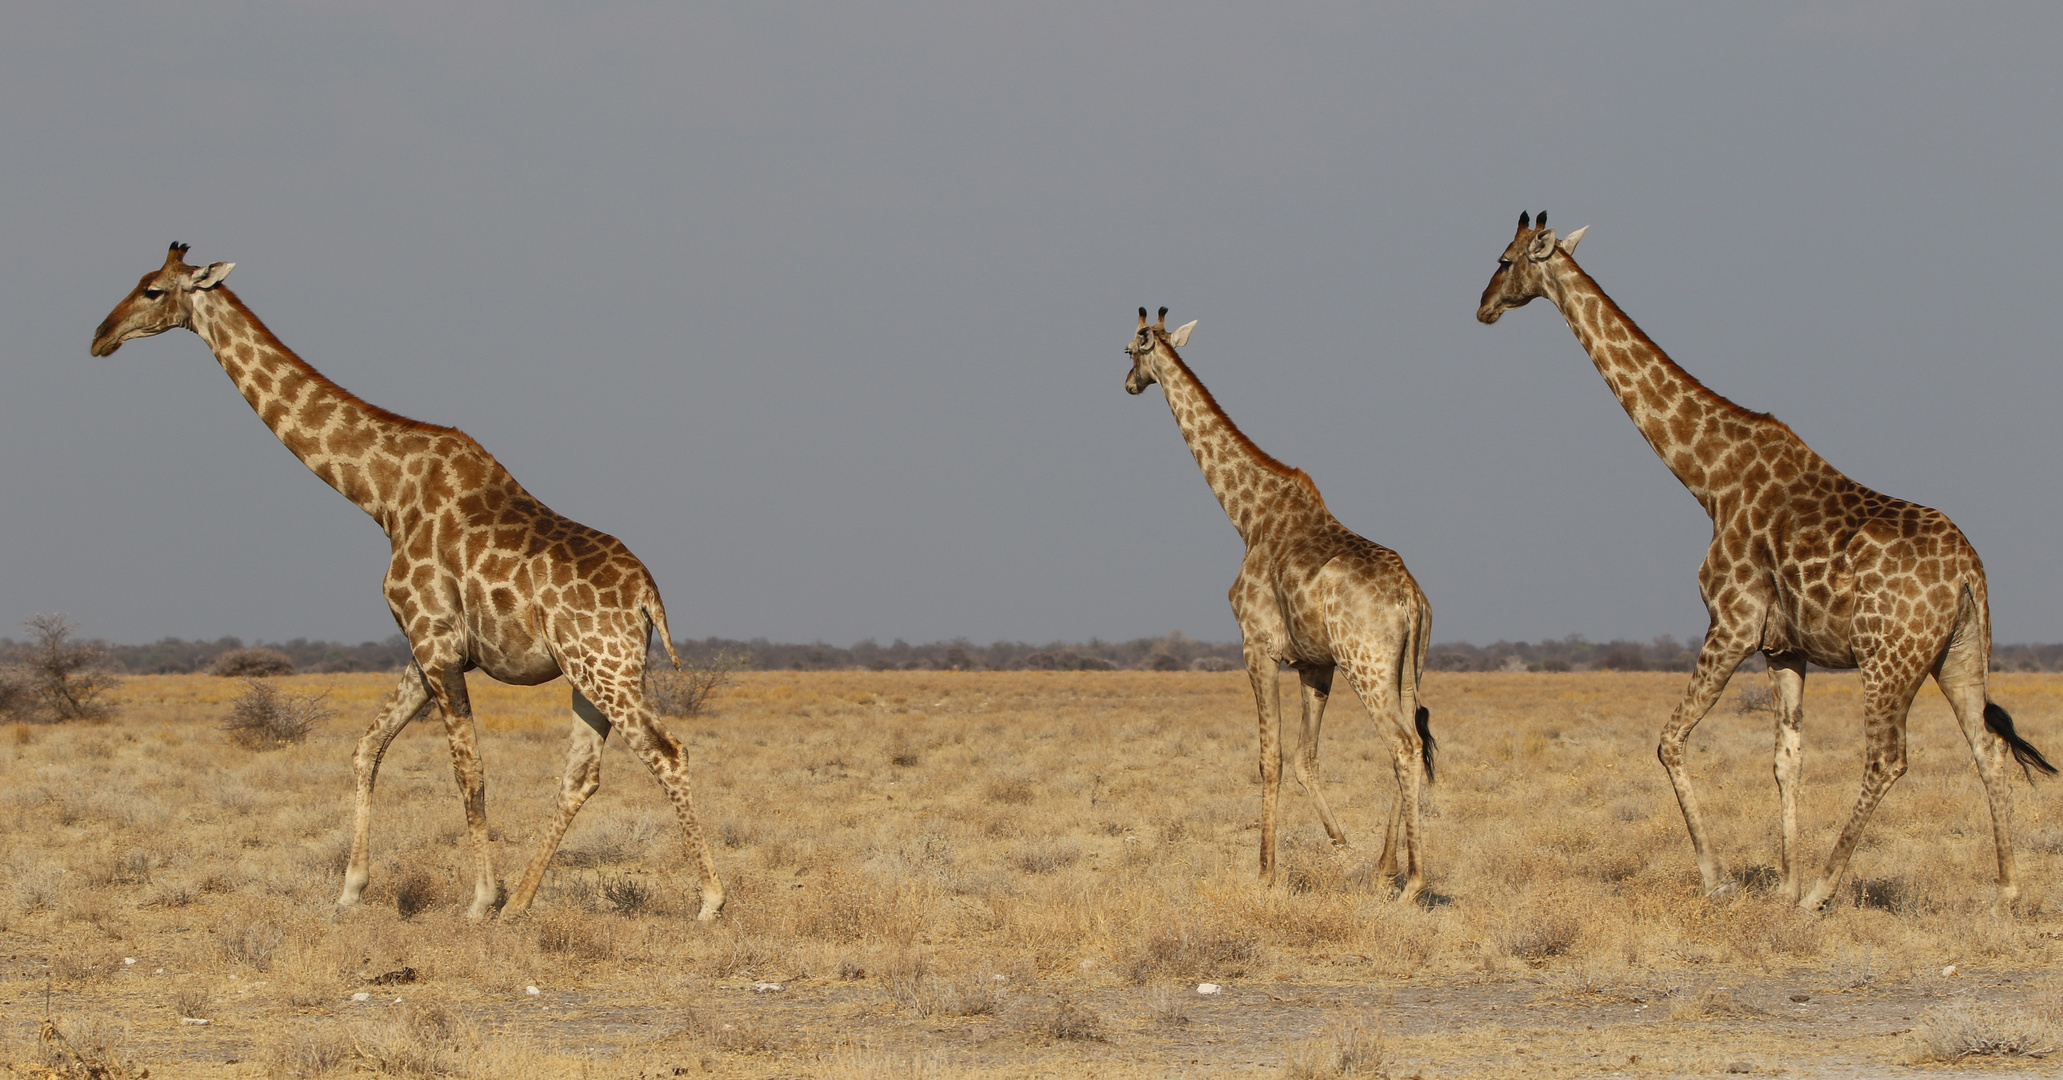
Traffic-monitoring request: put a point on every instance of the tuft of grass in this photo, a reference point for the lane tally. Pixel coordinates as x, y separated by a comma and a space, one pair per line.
266, 719
1180, 953
414, 893
689, 691
1962, 1031
1346, 1047
1540, 935
192, 1001
1065, 1020
627, 895
308, 1049
89, 1051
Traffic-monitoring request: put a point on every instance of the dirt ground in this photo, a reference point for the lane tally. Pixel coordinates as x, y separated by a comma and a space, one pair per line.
946, 874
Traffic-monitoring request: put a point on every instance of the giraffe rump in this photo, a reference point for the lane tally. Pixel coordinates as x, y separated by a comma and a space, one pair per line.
2030, 759
1426, 745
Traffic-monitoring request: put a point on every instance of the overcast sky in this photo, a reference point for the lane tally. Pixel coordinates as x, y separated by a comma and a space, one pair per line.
820, 308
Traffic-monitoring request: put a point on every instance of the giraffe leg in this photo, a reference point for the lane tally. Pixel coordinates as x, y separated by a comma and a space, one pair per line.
1317, 684
1724, 649
1887, 692
1262, 671
1961, 677
404, 703
621, 698
463, 737
1379, 691
1787, 686
582, 778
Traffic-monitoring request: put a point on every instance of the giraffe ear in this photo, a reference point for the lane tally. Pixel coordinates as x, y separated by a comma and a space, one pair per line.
1181, 335
211, 275
1569, 242
1542, 245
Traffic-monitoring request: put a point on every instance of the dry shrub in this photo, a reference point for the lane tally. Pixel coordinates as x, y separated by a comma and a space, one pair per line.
191, 1000
1179, 953
263, 718
576, 935
1961, 1031
56, 678
1712, 1005
1046, 856
256, 662
249, 943
1343, 1048
88, 1052
1754, 697
1537, 935
416, 1040
927, 995
309, 1049
627, 895
1064, 1019
688, 692
1010, 791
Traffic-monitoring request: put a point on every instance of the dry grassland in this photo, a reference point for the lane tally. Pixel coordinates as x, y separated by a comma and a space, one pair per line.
1015, 875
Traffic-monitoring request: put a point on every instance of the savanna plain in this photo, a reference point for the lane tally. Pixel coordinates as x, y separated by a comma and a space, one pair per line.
1018, 874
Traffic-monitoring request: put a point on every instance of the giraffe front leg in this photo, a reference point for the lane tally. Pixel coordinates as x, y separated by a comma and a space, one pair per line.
403, 704
463, 738
1726, 645
1262, 672
583, 777
1317, 687
1787, 686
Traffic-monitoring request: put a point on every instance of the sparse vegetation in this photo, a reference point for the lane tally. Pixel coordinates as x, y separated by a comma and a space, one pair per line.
689, 691
267, 718
893, 842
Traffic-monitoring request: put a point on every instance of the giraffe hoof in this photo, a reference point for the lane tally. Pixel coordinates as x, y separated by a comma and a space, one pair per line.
1724, 890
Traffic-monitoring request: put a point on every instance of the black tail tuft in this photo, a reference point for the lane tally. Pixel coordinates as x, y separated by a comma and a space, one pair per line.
2024, 752
1425, 739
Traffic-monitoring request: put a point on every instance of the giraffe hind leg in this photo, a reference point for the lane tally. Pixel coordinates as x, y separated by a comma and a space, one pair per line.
582, 778
1317, 686
1787, 686
621, 698
463, 738
1887, 695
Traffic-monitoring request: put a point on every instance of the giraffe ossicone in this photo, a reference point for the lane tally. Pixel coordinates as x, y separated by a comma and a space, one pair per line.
1310, 594
1805, 566
482, 576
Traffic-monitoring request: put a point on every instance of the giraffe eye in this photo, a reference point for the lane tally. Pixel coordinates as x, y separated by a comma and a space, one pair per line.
153, 293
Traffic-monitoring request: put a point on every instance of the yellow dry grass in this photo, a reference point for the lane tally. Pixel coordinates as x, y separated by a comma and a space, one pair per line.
1014, 874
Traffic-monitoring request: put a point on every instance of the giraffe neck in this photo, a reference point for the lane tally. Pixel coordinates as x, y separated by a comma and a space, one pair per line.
1689, 426
1253, 488
354, 447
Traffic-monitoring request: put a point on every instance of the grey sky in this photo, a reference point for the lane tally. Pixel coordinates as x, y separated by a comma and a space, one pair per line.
819, 309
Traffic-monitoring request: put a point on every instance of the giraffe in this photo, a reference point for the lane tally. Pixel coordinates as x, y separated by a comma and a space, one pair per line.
1310, 594
482, 576
1805, 565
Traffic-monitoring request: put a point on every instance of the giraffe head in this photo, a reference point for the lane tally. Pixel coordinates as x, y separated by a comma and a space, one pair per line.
1145, 348
162, 301
1522, 269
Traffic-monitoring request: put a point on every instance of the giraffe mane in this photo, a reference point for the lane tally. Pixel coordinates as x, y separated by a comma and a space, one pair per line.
327, 383
1265, 459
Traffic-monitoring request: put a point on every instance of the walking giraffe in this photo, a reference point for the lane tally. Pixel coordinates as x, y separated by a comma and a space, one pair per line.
483, 576
1805, 565
1310, 594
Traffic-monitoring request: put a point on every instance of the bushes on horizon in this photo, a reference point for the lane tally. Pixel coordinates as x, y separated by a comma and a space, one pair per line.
253, 662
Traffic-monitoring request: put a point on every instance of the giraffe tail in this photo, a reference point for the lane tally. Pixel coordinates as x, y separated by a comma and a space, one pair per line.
2030, 759
655, 615
1423, 718
1424, 722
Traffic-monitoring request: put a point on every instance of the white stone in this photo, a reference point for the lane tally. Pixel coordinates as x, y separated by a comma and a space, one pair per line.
767, 988
1948, 972
194, 1020
361, 996
532, 991
127, 960
1208, 989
